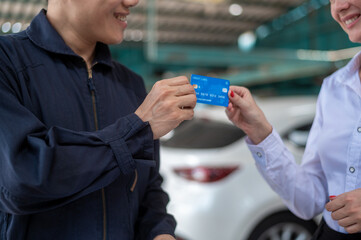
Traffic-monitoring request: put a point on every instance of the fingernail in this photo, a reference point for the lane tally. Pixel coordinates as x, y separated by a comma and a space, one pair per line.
332, 197
232, 93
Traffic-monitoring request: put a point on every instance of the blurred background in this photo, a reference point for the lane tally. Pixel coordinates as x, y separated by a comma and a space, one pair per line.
280, 49
271, 46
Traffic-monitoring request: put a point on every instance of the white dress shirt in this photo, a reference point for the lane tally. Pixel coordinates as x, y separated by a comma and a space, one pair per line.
331, 162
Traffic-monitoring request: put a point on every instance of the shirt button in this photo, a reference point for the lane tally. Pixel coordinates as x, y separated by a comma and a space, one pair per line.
259, 154
352, 169
359, 129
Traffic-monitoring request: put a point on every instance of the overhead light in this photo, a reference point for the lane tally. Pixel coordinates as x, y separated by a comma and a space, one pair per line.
246, 41
16, 27
235, 9
6, 27
262, 31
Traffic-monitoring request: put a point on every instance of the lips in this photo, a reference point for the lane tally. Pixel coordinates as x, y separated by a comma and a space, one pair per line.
351, 19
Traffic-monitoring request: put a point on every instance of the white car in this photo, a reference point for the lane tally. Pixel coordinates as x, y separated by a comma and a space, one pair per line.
216, 192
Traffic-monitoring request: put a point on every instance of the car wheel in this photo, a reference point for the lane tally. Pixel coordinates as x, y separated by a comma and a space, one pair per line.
285, 226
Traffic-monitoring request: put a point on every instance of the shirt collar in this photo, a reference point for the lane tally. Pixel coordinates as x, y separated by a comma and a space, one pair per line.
354, 65
349, 75
42, 34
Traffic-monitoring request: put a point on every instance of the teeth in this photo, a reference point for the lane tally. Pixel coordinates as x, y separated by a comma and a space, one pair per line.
351, 20
121, 18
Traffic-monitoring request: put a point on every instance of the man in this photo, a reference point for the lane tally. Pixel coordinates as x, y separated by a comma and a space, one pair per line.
77, 155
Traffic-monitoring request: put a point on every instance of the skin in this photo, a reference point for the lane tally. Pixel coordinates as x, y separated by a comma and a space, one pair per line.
164, 237
342, 10
169, 103
245, 114
346, 209
83, 23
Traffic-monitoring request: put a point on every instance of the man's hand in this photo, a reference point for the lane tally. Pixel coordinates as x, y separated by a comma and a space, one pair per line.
169, 103
164, 237
346, 209
245, 114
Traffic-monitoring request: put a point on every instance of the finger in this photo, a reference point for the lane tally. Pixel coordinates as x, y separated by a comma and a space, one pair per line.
332, 197
339, 214
346, 222
187, 101
185, 90
178, 81
233, 114
230, 107
335, 204
353, 228
241, 91
187, 114
230, 111
236, 99
230, 116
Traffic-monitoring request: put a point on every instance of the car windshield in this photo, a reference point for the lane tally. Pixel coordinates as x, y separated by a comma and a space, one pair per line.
201, 134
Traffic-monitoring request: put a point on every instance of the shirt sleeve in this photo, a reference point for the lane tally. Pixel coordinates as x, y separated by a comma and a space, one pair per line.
153, 219
44, 168
303, 187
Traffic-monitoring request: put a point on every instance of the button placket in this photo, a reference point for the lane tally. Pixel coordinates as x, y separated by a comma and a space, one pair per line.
352, 159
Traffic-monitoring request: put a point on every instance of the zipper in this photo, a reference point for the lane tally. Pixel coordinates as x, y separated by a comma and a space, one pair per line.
92, 91
93, 96
135, 180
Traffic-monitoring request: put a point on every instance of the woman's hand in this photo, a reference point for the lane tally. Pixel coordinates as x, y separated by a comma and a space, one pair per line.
245, 114
164, 237
346, 209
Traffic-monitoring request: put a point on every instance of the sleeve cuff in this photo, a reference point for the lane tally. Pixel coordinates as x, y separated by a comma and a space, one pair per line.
267, 150
129, 138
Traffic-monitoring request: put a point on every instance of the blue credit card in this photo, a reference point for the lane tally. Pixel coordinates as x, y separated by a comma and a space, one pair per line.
211, 90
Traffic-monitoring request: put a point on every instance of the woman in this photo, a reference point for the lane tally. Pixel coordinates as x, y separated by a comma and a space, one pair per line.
327, 180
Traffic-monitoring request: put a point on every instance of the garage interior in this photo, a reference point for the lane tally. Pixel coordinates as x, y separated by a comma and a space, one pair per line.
274, 47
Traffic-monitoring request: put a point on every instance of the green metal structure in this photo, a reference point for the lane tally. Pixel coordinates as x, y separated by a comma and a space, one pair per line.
292, 54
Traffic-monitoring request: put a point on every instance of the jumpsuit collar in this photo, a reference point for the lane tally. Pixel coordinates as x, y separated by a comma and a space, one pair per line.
43, 34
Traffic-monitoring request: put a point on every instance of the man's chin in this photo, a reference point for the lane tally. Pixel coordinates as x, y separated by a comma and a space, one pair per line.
116, 42
113, 41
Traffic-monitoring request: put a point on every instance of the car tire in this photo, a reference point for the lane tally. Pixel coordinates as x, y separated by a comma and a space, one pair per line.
285, 226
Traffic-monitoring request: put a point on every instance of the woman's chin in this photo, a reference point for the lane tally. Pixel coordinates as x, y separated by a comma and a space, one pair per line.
355, 38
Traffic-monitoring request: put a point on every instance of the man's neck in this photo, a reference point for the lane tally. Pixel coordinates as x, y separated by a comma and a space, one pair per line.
79, 44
